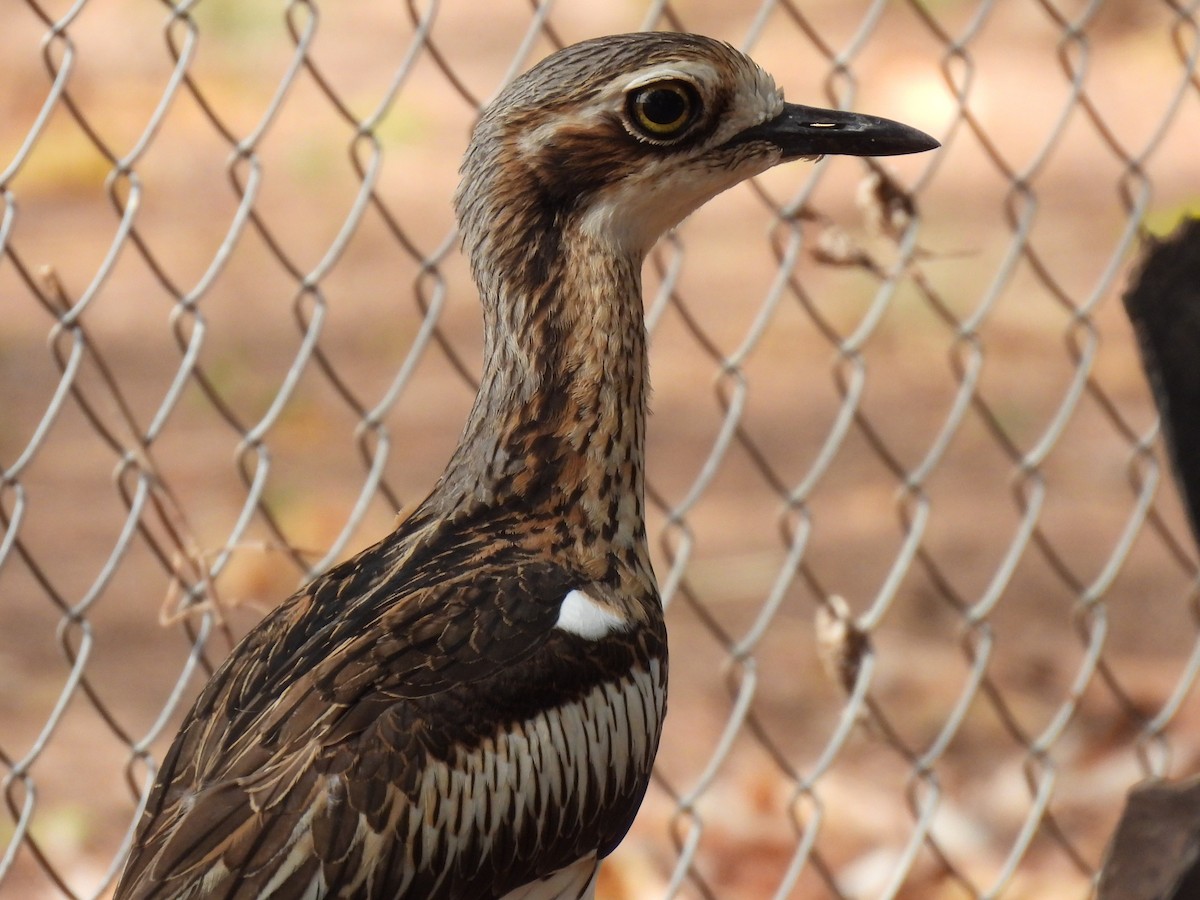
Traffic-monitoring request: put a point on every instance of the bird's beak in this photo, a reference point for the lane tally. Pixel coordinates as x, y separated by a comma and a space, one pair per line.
801, 131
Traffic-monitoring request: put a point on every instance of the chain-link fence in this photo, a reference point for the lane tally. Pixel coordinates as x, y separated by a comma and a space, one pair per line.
933, 606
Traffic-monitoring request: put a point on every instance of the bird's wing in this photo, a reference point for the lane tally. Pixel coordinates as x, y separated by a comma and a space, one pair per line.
334, 714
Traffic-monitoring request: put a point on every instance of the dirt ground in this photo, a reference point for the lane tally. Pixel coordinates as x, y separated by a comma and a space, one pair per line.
1002, 524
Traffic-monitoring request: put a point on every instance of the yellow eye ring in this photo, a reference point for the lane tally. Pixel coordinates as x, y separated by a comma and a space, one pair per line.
663, 110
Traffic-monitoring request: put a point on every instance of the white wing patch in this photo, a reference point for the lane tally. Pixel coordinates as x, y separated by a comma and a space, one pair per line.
581, 615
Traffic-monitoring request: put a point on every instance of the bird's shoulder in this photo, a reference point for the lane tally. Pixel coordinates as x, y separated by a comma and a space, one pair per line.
426, 609
462, 611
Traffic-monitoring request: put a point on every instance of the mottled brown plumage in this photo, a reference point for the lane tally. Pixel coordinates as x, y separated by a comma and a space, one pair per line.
471, 707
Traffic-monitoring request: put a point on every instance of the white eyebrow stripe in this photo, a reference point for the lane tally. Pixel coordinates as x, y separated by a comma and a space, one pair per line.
695, 73
581, 615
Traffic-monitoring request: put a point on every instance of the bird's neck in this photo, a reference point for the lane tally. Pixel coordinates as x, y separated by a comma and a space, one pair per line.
558, 426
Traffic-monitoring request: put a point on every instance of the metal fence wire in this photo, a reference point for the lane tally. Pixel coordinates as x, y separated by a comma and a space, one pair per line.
932, 600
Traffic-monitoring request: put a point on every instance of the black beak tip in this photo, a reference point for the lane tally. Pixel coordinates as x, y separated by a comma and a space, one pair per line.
905, 139
853, 134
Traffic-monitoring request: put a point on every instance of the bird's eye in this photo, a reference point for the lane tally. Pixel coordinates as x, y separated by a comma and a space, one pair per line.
663, 110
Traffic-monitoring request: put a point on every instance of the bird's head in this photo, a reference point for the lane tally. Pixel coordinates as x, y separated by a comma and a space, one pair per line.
623, 136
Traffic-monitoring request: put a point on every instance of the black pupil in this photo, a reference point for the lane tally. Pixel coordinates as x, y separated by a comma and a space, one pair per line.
663, 106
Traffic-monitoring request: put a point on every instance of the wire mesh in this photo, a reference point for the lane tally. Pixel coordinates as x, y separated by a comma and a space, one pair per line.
932, 603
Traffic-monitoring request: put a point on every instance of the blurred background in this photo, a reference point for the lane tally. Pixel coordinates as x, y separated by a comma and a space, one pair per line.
931, 595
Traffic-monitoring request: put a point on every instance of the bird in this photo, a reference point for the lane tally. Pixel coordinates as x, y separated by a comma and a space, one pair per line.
471, 707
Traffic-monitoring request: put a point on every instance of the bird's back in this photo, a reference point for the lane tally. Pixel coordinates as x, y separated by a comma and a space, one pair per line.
412, 724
